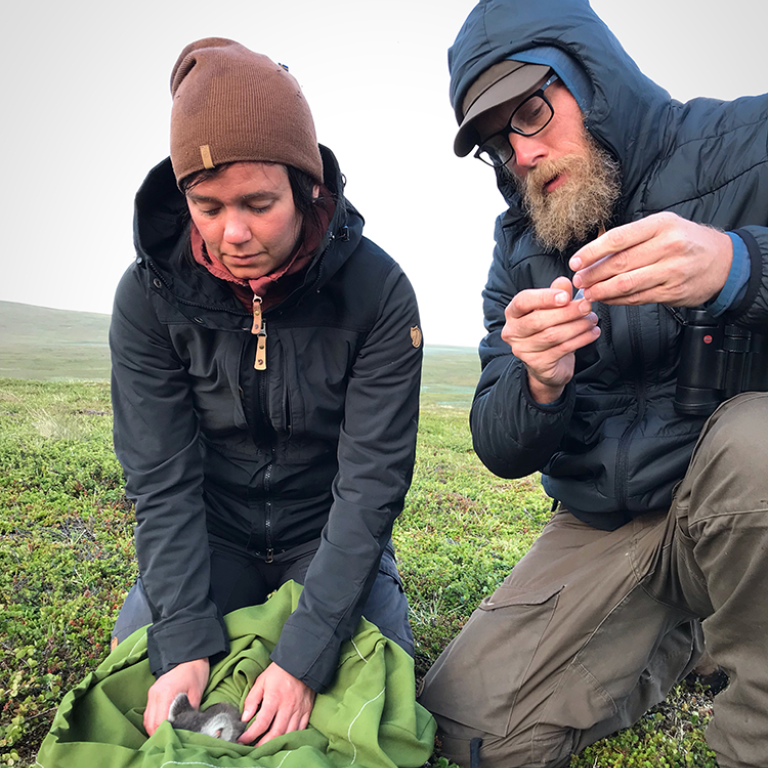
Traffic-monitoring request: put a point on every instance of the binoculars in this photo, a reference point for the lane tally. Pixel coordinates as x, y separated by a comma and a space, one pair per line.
718, 361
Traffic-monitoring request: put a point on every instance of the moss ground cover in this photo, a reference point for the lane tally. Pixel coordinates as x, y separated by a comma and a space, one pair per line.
66, 552
67, 560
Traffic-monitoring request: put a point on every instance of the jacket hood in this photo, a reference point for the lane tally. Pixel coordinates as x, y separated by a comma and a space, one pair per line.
161, 231
624, 108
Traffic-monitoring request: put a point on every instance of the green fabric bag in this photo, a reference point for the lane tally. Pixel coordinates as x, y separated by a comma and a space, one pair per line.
368, 717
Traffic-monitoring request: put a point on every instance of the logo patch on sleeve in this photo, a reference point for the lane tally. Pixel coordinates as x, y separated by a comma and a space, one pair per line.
416, 336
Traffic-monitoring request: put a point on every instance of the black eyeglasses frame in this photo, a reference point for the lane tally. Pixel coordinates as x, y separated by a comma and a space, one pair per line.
503, 134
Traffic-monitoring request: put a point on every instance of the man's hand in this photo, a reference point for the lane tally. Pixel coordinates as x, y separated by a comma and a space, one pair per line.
544, 328
284, 704
662, 258
190, 677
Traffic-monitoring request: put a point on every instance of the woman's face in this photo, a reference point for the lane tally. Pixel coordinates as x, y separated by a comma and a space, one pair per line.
247, 217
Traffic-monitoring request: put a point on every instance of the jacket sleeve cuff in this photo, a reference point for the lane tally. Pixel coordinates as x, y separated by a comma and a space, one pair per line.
555, 405
736, 285
292, 647
171, 644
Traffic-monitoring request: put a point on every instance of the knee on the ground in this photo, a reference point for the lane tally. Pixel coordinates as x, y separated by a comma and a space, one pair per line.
739, 429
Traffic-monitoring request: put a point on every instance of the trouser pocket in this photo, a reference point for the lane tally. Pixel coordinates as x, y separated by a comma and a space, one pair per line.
477, 679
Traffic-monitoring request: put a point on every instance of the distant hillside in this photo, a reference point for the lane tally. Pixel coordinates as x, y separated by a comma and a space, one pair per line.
55, 344
52, 344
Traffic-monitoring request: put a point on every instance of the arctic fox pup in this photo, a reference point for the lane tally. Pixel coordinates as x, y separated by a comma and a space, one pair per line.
222, 721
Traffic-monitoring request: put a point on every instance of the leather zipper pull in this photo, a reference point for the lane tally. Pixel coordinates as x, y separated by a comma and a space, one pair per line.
260, 363
256, 327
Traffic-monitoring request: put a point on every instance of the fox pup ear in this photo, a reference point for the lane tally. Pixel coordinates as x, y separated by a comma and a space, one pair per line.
179, 706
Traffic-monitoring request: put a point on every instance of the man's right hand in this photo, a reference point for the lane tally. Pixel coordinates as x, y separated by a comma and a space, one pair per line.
544, 327
190, 677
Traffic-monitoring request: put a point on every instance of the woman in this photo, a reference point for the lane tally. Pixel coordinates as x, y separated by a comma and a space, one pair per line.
266, 362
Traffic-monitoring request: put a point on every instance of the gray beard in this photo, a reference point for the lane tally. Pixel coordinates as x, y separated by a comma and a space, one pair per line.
570, 213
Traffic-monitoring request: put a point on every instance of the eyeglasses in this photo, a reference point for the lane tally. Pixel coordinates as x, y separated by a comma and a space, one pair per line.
531, 116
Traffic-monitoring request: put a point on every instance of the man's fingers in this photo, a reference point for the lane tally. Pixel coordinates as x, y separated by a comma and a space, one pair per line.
561, 340
544, 361
556, 335
619, 239
562, 285
641, 286
543, 320
534, 299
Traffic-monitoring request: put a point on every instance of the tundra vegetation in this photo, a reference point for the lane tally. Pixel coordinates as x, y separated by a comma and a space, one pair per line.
67, 559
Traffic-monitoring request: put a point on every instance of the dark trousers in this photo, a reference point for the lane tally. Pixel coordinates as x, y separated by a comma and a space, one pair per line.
592, 628
239, 580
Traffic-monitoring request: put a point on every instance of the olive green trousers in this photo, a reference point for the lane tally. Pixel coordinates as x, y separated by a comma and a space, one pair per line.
592, 627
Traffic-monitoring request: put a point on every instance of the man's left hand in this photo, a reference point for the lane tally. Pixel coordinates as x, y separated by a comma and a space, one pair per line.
662, 258
283, 702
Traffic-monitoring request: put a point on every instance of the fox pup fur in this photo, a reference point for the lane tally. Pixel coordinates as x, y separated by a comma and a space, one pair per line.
222, 721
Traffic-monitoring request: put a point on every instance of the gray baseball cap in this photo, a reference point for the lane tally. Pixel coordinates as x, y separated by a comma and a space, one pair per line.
504, 81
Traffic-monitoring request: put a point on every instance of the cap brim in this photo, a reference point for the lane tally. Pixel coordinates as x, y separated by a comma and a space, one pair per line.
506, 80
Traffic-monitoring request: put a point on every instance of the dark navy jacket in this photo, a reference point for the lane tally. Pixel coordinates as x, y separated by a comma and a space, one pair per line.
319, 445
613, 447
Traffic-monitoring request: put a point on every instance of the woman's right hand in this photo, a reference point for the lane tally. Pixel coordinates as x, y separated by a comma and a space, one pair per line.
189, 677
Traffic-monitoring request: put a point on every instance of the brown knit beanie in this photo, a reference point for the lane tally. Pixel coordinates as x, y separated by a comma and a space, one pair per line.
231, 104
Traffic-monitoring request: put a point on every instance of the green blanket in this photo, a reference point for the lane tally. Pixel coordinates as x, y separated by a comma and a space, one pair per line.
368, 718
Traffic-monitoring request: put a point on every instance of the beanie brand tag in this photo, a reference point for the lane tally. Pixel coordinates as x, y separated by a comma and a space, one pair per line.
205, 154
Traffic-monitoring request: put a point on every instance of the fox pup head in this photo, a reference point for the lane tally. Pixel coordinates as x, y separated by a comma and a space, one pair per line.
222, 721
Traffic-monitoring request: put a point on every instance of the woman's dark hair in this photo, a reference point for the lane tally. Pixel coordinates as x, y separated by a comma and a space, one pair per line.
302, 189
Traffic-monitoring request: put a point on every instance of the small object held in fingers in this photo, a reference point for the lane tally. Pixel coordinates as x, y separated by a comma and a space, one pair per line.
579, 294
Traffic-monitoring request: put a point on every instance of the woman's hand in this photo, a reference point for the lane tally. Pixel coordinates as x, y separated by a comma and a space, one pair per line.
190, 677
283, 702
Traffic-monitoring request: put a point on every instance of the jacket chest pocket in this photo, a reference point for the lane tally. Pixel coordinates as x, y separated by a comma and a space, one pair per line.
308, 382
212, 360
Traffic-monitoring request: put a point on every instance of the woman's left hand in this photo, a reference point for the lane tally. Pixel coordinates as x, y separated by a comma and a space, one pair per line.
283, 702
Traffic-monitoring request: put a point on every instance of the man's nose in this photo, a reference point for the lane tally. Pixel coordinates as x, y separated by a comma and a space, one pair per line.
236, 229
529, 151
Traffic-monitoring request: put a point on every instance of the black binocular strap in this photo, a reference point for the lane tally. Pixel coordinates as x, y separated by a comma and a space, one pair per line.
474, 752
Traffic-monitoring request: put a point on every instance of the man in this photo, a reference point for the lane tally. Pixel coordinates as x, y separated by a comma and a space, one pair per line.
626, 211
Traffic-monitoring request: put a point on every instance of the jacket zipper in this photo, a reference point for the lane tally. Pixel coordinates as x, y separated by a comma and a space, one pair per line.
268, 512
260, 329
258, 417
622, 459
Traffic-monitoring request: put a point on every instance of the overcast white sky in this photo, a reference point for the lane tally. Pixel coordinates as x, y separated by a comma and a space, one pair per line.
86, 106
